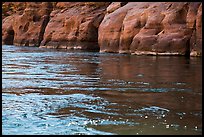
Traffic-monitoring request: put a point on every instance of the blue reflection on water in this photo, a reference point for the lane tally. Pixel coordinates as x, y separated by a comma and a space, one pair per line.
72, 92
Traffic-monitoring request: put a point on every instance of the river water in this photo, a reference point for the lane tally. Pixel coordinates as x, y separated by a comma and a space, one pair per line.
49, 91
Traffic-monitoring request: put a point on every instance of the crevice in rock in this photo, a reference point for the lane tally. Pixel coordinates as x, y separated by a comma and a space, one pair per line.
42, 29
123, 3
183, 13
27, 43
188, 51
25, 29
10, 37
36, 18
46, 19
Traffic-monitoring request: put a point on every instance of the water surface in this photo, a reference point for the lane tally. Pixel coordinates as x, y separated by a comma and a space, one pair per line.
49, 91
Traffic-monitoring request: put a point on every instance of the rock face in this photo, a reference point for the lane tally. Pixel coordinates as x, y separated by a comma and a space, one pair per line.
7, 31
74, 25
196, 38
26, 28
9, 8
114, 6
157, 28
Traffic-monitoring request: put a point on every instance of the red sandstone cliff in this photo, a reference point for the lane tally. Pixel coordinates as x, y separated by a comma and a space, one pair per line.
164, 28
26, 27
157, 28
74, 25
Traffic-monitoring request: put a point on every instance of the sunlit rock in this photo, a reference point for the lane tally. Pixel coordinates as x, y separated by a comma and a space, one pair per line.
155, 28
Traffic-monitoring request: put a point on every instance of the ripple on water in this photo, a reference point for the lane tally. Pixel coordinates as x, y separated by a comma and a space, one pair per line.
48, 91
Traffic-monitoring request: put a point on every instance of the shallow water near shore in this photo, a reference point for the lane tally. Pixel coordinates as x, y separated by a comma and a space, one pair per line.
49, 91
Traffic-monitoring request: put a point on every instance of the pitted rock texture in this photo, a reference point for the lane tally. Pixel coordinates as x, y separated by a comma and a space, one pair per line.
26, 28
74, 25
9, 8
7, 31
156, 28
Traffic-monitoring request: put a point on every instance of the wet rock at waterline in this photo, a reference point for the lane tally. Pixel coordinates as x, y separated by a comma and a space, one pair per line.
155, 28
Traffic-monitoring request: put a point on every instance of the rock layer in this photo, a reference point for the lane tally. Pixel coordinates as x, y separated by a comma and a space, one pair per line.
74, 25
156, 28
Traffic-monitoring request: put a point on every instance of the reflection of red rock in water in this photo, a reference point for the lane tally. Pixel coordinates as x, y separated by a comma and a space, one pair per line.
156, 28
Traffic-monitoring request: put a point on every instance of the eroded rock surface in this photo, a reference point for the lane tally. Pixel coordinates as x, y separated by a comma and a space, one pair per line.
74, 25
26, 28
156, 28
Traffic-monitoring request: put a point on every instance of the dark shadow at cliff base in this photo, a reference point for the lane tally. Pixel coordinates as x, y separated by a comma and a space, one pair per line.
9, 38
